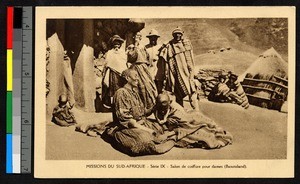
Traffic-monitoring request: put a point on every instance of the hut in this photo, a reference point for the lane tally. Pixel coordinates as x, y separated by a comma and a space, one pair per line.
265, 82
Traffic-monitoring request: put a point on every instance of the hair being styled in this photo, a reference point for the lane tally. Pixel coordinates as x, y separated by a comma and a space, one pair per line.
126, 72
163, 95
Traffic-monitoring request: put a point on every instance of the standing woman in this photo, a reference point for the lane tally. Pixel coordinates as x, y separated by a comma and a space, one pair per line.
139, 59
152, 48
115, 64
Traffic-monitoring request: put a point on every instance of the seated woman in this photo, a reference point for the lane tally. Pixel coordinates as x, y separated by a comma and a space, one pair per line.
62, 115
193, 129
134, 134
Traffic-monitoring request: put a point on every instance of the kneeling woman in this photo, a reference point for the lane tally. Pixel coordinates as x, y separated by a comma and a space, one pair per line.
134, 134
193, 129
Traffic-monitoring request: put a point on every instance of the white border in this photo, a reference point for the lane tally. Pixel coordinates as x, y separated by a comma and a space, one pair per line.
76, 169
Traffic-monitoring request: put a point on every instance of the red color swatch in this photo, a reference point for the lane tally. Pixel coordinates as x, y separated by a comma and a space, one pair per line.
10, 24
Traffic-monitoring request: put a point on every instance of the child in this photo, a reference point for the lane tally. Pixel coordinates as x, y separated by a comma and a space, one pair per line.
61, 113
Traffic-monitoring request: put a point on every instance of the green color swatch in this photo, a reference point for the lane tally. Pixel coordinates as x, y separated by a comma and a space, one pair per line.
9, 112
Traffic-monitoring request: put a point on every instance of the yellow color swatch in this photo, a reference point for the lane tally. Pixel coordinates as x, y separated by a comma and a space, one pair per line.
9, 66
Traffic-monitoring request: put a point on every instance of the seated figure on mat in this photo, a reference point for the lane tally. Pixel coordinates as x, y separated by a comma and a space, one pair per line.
133, 133
62, 115
193, 129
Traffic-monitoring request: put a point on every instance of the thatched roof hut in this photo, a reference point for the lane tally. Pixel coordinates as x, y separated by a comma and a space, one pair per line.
267, 64
266, 81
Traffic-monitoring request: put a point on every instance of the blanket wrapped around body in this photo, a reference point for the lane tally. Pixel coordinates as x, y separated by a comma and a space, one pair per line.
183, 129
193, 129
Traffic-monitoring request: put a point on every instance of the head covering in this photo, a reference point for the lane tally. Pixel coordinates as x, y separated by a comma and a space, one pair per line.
153, 32
130, 47
138, 35
116, 38
223, 75
177, 30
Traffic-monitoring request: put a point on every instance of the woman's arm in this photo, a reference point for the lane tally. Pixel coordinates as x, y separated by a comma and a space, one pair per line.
149, 111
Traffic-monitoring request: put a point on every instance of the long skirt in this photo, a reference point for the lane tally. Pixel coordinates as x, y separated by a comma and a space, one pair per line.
147, 87
116, 81
137, 142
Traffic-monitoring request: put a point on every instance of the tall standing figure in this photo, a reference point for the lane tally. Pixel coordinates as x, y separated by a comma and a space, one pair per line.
139, 59
152, 49
115, 64
179, 68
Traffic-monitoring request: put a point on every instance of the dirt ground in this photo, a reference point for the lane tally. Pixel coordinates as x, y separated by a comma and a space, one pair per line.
258, 134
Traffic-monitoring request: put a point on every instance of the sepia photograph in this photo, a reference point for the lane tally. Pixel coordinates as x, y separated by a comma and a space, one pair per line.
161, 90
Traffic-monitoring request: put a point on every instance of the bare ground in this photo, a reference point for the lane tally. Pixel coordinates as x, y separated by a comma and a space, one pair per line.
258, 134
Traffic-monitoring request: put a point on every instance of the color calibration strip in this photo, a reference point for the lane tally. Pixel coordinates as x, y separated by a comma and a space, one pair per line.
17, 65
9, 88
19, 86
26, 90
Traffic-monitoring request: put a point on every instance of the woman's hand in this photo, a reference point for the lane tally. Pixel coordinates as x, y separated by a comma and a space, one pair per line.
172, 121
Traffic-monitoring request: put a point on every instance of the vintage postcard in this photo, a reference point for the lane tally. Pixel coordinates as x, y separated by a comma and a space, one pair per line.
164, 92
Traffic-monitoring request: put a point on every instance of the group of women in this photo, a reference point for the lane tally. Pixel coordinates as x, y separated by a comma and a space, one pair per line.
137, 99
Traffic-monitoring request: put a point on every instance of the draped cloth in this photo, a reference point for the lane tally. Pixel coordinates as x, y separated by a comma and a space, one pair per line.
180, 67
146, 85
152, 51
112, 81
194, 129
116, 60
134, 141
